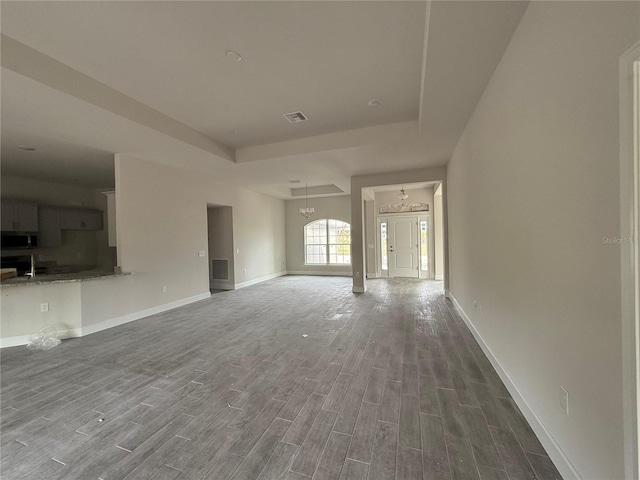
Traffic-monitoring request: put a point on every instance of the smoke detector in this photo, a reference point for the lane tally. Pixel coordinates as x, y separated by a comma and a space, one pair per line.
295, 117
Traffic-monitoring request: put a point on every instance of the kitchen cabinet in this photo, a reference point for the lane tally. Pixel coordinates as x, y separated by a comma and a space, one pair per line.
19, 217
72, 219
49, 231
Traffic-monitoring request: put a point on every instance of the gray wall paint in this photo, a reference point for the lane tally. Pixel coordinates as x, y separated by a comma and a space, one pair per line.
549, 286
325, 207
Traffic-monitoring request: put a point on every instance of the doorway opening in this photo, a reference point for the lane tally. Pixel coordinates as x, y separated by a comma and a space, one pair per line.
404, 231
404, 246
220, 240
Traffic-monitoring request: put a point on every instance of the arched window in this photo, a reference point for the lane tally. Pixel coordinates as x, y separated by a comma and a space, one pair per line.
327, 241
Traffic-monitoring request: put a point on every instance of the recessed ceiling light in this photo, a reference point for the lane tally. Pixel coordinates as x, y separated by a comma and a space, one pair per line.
27, 148
374, 102
233, 56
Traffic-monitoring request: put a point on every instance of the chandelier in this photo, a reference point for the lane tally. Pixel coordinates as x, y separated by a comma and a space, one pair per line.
307, 211
402, 196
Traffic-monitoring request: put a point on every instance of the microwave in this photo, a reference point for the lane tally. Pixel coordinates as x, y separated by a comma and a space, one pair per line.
20, 240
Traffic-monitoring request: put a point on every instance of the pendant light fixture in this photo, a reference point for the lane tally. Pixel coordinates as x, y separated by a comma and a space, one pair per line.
307, 211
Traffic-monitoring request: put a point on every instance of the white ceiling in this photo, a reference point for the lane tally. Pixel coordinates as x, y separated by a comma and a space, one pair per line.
327, 59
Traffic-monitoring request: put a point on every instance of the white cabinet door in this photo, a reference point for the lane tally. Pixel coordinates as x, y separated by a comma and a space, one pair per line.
19, 217
49, 233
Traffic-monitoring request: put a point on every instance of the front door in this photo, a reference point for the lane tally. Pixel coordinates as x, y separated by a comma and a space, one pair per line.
403, 247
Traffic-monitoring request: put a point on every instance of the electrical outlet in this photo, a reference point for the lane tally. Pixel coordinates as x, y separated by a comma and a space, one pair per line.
237, 250
201, 253
475, 304
564, 399
163, 289
44, 307
245, 270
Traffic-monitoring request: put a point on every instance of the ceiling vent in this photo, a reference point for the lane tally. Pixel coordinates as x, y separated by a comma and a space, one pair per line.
295, 117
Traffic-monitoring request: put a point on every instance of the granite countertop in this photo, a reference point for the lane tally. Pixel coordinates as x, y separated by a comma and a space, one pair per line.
60, 278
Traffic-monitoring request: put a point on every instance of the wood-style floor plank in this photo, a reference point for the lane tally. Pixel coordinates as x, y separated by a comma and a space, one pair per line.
386, 385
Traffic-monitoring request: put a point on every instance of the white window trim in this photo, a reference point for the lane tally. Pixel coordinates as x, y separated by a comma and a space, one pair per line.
328, 263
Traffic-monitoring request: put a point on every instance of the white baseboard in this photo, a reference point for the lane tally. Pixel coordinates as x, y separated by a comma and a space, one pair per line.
24, 339
560, 460
113, 322
259, 280
130, 317
327, 273
372, 275
14, 341
359, 289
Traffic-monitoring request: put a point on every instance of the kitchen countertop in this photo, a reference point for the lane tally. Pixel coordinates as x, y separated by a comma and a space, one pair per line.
60, 278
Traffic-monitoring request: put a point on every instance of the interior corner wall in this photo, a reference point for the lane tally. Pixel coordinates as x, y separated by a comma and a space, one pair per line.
162, 227
338, 208
539, 264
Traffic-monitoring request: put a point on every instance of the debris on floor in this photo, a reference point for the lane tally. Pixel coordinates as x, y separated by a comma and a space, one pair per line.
304, 335
45, 339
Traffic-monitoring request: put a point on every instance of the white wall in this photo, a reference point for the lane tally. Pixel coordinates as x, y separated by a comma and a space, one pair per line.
21, 315
533, 188
423, 195
162, 225
371, 239
438, 239
338, 208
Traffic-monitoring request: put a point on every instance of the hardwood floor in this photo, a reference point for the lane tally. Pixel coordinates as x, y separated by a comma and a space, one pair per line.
387, 385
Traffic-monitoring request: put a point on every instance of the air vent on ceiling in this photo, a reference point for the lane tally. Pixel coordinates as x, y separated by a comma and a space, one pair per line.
295, 117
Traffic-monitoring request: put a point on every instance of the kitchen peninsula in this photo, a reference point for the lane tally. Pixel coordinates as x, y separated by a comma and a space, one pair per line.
59, 278
74, 304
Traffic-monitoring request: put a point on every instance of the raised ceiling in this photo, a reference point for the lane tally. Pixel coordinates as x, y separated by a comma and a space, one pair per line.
84, 80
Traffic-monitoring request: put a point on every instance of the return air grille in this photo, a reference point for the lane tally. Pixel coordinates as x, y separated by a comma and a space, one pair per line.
220, 269
295, 117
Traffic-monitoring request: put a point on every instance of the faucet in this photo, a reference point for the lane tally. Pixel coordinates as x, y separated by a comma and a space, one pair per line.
32, 272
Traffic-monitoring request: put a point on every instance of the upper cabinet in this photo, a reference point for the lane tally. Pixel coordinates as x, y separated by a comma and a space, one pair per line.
49, 233
81, 219
19, 217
